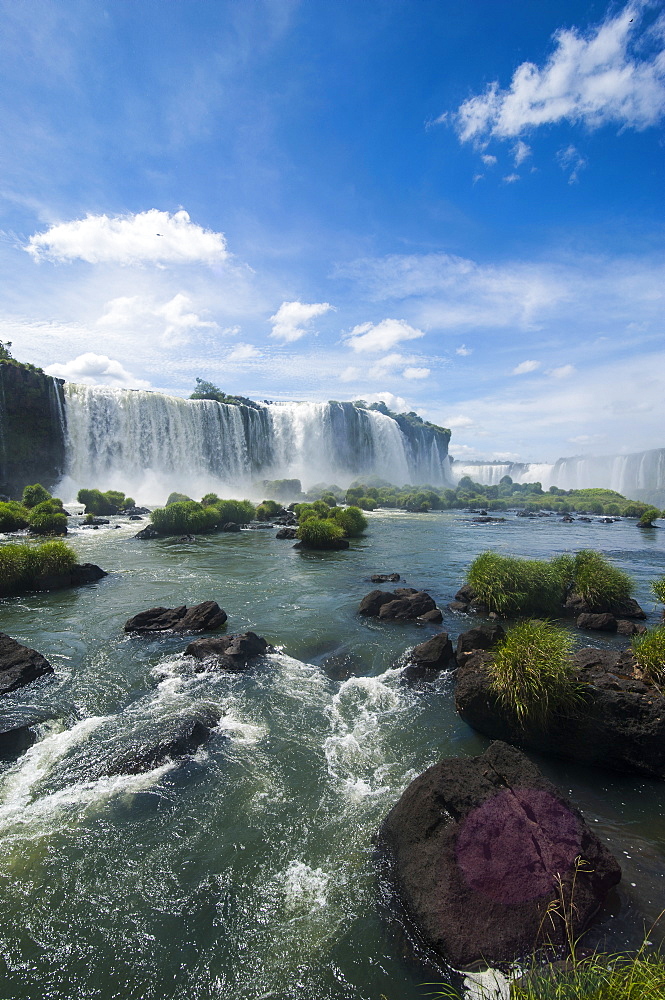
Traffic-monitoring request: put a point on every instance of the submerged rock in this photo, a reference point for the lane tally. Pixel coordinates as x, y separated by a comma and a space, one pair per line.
619, 724
603, 622
475, 849
230, 526
180, 738
385, 578
286, 533
19, 665
230, 652
147, 533
429, 658
199, 618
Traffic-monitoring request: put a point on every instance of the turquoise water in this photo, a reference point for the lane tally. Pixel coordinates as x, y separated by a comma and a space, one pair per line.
247, 871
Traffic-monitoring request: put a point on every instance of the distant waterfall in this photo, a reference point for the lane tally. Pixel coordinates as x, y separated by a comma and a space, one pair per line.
149, 444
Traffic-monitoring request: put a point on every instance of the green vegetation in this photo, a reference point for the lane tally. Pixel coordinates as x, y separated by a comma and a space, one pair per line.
7, 358
648, 517
286, 490
208, 390
510, 586
25, 566
13, 516
48, 518
319, 533
268, 509
602, 977
32, 495
658, 587
531, 673
190, 517
102, 504
183, 498
649, 653
351, 520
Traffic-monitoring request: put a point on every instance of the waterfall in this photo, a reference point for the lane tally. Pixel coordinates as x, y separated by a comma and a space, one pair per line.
148, 444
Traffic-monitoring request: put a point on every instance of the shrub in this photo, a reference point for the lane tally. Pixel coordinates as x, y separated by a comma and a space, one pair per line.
648, 517
235, 511
268, 509
649, 653
319, 533
23, 566
13, 516
597, 581
176, 498
97, 502
329, 499
48, 518
508, 585
599, 977
351, 519
32, 495
367, 503
658, 587
209, 499
531, 673
184, 518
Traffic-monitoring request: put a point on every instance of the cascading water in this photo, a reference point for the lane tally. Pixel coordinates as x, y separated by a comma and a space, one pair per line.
148, 444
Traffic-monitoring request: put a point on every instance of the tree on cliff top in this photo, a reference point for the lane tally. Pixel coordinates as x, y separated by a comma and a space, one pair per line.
5, 353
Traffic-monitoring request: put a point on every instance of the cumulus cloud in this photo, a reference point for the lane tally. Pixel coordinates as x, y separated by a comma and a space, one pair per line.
243, 352
459, 422
525, 366
292, 319
562, 372
369, 337
151, 237
180, 319
387, 365
350, 374
175, 319
591, 77
395, 403
96, 369
463, 350
416, 373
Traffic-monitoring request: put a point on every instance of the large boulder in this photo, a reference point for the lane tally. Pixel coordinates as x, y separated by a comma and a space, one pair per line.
429, 658
476, 850
199, 618
178, 739
19, 664
402, 604
480, 637
627, 608
619, 724
230, 652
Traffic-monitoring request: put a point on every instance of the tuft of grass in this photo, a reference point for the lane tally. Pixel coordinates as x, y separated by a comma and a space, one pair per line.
23, 566
319, 533
508, 585
602, 977
649, 653
597, 581
531, 673
658, 587
351, 519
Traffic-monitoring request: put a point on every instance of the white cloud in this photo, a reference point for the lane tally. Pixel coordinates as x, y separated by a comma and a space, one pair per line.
511, 178
96, 369
520, 152
180, 320
488, 159
243, 352
415, 373
387, 365
175, 320
395, 403
572, 161
381, 336
590, 77
291, 320
350, 374
151, 237
562, 372
463, 350
459, 422
525, 366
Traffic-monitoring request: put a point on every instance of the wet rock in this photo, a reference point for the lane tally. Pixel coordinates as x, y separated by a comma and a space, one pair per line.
458, 606
98, 520
372, 603
180, 739
567, 519
135, 517
473, 851
466, 594
619, 723
433, 617
286, 533
430, 657
332, 544
199, 618
480, 637
407, 607
625, 627
19, 665
603, 623
628, 608
230, 652
185, 539
385, 578
486, 519
230, 526
147, 533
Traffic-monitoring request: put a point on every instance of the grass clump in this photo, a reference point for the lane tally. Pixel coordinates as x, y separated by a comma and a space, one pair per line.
24, 566
531, 673
351, 520
319, 533
658, 587
13, 516
102, 504
35, 494
508, 585
602, 977
597, 581
48, 518
184, 517
649, 652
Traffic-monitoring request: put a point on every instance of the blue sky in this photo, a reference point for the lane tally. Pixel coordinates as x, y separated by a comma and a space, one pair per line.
457, 208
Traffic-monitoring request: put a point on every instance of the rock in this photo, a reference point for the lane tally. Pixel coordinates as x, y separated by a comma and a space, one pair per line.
230, 652
98, 520
486, 519
474, 850
567, 519
135, 517
434, 617
286, 533
185, 539
230, 526
86, 573
15, 740
430, 657
199, 618
604, 623
458, 606
181, 739
625, 627
620, 723
134, 512
385, 578
19, 664
408, 607
372, 603
480, 637
148, 532
466, 594
628, 608
332, 544
260, 525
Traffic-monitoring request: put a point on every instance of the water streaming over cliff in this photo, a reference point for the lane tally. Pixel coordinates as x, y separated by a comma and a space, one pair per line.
147, 443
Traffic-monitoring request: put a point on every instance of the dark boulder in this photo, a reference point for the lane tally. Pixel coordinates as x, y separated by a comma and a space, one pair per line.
286, 533
603, 623
185, 539
627, 608
136, 511
385, 578
180, 738
408, 607
332, 544
19, 664
147, 533
480, 637
199, 618
466, 594
475, 851
625, 627
432, 617
371, 603
230, 652
458, 606
98, 520
230, 526
429, 658
619, 724
135, 517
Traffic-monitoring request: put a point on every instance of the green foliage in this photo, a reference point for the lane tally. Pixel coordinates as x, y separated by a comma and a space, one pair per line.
178, 498
23, 566
208, 390
319, 533
531, 673
510, 586
597, 581
186, 517
5, 353
235, 511
285, 490
351, 519
102, 504
330, 499
600, 977
367, 503
268, 509
649, 653
208, 499
304, 511
648, 517
32, 495
658, 587
48, 518
13, 516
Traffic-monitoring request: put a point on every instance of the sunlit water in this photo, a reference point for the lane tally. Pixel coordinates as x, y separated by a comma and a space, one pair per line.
248, 871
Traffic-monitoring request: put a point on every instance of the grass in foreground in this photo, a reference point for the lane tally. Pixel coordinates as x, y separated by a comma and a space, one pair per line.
23, 566
531, 673
649, 653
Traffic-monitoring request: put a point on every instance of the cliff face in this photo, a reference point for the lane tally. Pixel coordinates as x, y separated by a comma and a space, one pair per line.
32, 429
